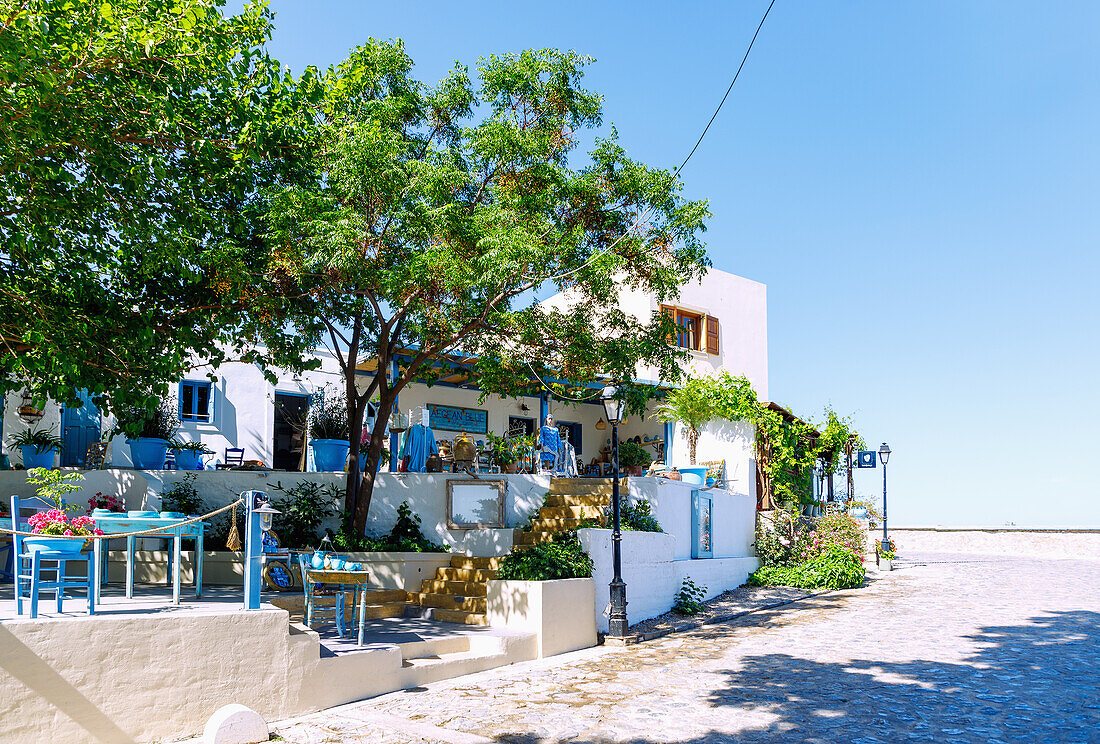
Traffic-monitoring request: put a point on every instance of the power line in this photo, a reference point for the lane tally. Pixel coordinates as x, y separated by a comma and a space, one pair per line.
735, 75
676, 172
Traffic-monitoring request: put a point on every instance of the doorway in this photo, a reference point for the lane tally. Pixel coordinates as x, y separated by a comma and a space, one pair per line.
288, 439
79, 428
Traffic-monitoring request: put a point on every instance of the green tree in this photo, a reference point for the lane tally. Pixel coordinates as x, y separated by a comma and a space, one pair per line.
694, 404
134, 135
426, 231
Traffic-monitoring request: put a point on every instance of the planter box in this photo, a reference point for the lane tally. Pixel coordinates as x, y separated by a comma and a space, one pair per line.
561, 612
885, 564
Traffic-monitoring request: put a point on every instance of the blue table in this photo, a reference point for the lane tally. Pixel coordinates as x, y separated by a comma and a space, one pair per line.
122, 524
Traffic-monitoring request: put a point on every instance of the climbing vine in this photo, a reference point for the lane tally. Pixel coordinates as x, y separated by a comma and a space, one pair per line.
788, 447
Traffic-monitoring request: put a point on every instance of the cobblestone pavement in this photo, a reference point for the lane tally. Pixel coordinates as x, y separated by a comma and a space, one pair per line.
966, 650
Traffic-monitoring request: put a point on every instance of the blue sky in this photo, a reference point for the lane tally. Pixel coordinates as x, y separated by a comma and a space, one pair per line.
916, 183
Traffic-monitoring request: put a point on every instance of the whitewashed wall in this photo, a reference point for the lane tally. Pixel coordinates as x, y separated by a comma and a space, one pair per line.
244, 411
671, 504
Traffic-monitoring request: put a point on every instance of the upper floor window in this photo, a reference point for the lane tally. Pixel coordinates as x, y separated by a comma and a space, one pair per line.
694, 331
196, 401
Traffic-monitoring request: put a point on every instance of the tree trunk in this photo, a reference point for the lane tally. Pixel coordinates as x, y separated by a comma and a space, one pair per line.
358, 503
693, 439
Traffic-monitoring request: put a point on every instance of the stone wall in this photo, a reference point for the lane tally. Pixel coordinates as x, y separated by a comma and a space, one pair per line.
1039, 542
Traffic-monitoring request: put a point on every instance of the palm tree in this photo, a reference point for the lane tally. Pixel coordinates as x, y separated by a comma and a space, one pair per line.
693, 405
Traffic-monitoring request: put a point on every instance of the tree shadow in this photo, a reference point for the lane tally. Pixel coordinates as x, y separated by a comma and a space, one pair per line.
1034, 682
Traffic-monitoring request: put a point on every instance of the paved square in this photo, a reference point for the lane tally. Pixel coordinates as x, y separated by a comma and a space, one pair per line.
955, 649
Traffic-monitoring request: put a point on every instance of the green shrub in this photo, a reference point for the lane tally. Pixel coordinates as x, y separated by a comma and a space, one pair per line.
637, 517
632, 454
304, 507
182, 497
561, 559
43, 440
689, 600
836, 568
405, 537
328, 417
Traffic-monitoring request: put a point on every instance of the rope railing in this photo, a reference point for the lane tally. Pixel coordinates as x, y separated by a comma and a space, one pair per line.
112, 536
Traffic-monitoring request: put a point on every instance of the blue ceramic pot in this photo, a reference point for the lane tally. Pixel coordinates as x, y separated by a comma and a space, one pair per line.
330, 454
318, 560
694, 476
148, 453
188, 460
36, 458
67, 545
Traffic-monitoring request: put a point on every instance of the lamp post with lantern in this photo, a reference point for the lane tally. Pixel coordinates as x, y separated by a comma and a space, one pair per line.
617, 623
884, 455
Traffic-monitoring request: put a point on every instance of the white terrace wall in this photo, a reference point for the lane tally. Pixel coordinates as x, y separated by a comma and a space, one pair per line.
656, 564
425, 492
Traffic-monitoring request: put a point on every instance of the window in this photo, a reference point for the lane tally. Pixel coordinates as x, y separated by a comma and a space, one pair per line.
694, 331
196, 401
571, 432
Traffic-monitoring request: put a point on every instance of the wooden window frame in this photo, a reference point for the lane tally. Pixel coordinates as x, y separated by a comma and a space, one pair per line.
706, 334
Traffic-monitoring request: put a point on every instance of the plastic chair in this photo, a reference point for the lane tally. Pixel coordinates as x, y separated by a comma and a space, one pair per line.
323, 605
30, 565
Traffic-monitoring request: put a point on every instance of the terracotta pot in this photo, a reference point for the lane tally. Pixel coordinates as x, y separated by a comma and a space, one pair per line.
673, 474
509, 468
635, 470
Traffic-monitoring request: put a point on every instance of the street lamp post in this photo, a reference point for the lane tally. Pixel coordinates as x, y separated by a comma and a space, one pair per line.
617, 623
884, 455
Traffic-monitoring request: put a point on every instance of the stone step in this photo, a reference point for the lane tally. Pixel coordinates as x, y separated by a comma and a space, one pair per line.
461, 588
586, 486
555, 525
570, 512
450, 573
378, 611
532, 538
374, 609
465, 561
451, 602
457, 616
578, 499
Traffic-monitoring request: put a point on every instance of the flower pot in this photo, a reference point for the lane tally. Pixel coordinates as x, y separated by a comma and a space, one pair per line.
55, 543
635, 470
509, 467
36, 458
885, 564
692, 475
330, 454
188, 459
148, 453
673, 474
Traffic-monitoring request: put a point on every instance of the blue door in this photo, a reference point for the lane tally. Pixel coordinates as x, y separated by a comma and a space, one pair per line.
79, 428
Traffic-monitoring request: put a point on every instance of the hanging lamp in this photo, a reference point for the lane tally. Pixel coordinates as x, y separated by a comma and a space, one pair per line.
29, 413
601, 424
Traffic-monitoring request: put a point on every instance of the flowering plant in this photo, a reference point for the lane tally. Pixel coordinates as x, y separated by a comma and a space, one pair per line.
56, 522
99, 501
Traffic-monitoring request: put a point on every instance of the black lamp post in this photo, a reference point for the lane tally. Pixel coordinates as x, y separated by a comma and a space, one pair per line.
884, 455
613, 409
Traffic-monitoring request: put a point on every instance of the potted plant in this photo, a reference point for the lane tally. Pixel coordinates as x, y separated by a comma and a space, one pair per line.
155, 432
633, 458
189, 454
54, 529
886, 552
109, 503
505, 452
37, 446
330, 433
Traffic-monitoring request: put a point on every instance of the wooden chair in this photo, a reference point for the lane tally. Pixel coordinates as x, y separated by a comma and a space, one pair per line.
715, 469
31, 564
96, 458
234, 458
321, 605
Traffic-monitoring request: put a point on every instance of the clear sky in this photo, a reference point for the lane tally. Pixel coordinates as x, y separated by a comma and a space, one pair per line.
916, 183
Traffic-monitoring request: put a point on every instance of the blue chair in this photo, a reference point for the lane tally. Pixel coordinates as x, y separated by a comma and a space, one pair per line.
31, 562
322, 605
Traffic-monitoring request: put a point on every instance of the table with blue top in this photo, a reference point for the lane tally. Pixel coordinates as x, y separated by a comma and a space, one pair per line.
119, 523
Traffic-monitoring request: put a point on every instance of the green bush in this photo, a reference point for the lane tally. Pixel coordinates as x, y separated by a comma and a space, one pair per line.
836, 568
182, 497
304, 507
632, 454
561, 559
637, 517
689, 600
405, 537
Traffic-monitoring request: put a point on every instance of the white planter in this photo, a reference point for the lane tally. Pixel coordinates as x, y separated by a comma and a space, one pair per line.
885, 564
561, 612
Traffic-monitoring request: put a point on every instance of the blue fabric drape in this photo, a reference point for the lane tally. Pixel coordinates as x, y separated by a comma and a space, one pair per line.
419, 444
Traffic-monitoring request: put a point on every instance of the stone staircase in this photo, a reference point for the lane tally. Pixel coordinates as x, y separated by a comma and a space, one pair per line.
458, 591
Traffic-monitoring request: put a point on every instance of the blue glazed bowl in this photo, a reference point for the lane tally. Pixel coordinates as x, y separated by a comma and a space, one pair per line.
171, 515
337, 564
140, 514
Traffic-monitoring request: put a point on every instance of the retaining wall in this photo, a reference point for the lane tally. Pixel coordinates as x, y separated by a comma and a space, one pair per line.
1039, 542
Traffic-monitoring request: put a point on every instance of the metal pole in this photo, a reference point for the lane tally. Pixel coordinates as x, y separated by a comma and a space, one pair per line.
617, 622
885, 539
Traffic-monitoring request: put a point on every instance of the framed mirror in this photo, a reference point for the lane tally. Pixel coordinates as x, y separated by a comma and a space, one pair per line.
472, 504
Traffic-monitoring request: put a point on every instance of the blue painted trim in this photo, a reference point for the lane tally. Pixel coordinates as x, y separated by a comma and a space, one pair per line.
253, 545
192, 395
668, 442
544, 409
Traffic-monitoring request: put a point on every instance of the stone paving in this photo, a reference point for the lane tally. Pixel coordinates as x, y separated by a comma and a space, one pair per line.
954, 649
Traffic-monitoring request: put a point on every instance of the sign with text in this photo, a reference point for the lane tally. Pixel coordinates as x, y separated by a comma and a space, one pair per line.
453, 418
866, 459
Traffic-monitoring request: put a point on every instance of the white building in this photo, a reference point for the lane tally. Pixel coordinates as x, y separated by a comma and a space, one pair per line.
722, 320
